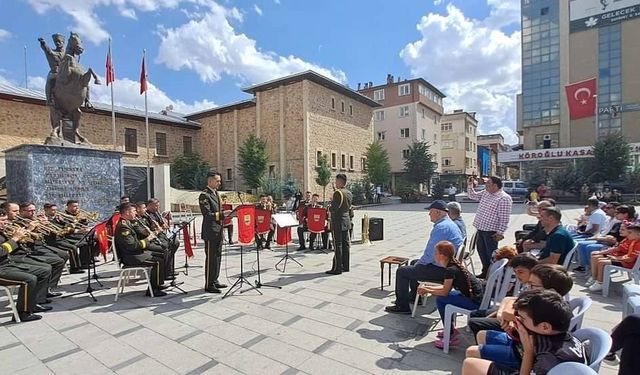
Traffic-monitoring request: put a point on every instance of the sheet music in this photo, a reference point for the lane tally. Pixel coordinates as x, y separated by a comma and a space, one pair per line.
285, 220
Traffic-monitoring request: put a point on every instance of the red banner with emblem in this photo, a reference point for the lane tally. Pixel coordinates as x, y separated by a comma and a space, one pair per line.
316, 218
101, 237
246, 214
283, 235
227, 219
581, 99
263, 221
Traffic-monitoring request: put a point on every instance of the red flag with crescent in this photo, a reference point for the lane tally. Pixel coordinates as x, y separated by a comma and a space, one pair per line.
246, 224
263, 221
227, 219
581, 98
101, 237
316, 217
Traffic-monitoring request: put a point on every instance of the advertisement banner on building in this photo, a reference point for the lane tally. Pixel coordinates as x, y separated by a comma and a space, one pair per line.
589, 14
554, 154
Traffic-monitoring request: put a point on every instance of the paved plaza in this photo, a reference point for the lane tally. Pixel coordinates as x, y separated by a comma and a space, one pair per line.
315, 324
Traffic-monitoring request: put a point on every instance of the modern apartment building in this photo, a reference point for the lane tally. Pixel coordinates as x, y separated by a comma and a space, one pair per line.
410, 110
459, 146
566, 42
493, 144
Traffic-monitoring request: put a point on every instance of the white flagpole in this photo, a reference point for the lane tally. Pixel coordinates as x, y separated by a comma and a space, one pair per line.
113, 112
146, 123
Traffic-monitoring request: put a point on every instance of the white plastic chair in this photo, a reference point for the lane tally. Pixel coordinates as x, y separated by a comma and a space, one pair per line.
579, 306
628, 290
505, 284
569, 257
467, 257
126, 271
460, 250
634, 273
573, 368
599, 345
12, 302
491, 291
424, 298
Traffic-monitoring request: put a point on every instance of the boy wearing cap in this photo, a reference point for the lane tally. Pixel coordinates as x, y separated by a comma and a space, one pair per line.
426, 268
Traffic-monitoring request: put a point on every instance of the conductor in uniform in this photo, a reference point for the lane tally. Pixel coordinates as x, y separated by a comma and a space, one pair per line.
340, 225
212, 220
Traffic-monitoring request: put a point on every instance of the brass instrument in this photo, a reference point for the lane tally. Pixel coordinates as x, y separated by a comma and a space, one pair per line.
89, 216
41, 227
29, 237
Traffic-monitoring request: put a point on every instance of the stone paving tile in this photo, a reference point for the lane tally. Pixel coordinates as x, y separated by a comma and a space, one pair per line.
78, 363
315, 324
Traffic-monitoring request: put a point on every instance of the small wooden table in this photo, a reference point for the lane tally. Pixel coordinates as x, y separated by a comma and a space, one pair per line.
400, 261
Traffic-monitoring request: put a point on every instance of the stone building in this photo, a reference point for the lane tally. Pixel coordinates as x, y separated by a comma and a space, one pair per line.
459, 146
300, 116
411, 111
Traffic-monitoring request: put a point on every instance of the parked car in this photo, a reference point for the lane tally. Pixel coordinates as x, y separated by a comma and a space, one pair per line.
515, 188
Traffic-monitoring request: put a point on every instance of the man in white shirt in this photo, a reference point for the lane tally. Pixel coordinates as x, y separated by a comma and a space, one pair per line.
452, 193
597, 219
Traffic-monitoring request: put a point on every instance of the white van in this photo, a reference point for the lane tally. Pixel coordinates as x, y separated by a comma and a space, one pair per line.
515, 188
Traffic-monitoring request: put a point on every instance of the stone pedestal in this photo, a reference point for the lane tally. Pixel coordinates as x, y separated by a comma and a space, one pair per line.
51, 174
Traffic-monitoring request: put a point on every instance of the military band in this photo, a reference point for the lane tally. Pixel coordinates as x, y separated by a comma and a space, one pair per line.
304, 227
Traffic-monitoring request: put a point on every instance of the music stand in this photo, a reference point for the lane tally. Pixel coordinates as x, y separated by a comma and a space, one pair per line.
246, 219
285, 221
92, 262
177, 228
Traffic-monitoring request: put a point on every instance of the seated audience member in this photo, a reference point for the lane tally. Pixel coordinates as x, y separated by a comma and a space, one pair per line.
585, 248
559, 241
626, 337
505, 252
616, 256
597, 220
459, 288
535, 239
426, 268
454, 213
541, 276
538, 341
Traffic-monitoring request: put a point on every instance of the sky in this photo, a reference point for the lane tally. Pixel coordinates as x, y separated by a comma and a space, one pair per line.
200, 53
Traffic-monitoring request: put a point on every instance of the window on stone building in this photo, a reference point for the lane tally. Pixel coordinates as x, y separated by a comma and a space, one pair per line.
363, 164
342, 106
351, 109
381, 135
272, 171
343, 161
161, 144
334, 160
130, 140
446, 127
447, 162
379, 115
423, 134
404, 111
404, 89
404, 133
405, 154
435, 139
351, 163
378, 95
229, 174
333, 103
318, 156
187, 145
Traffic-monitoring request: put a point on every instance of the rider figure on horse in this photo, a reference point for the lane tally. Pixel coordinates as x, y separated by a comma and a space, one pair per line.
54, 58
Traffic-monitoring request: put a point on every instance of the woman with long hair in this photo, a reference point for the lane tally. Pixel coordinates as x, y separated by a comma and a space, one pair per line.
459, 288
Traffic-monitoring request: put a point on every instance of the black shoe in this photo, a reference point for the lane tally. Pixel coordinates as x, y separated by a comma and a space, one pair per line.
46, 302
481, 276
301, 248
53, 294
397, 310
268, 247
76, 271
579, 269
27, 317
213, 289
231, 243
333, 272
611, 359
345, 270
41, 308
219, 285
163, 287
156, 293
170, 278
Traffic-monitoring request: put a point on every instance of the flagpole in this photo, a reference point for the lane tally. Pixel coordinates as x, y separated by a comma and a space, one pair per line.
146, 124
597, 119
113, 112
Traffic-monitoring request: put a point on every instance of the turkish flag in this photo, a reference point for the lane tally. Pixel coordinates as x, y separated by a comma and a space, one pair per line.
111, 74
143, 78
246, 214
581, 99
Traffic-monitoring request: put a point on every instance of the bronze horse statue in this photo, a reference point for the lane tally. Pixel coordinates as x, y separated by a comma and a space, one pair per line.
71, 90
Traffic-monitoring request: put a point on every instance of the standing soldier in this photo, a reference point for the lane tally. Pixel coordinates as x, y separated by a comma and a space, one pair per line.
54, 58
212, 219
340, 225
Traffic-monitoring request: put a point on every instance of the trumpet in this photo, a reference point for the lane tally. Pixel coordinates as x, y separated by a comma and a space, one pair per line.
29, 237
86, 215
41, 227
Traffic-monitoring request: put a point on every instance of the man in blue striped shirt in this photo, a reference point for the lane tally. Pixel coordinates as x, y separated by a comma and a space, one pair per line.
425, 269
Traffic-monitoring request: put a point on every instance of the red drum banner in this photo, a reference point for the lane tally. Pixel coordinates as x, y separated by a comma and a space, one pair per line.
246, 224
316, 217
263, 221
283, 235
227, 220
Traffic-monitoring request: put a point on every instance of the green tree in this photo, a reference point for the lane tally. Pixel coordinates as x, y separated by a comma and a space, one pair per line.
438, 189
612, 156
419, 165
290, 186
632, 180
570, 178
271, 186
358, 189
323, 174
377, 165
189, 171
253, 160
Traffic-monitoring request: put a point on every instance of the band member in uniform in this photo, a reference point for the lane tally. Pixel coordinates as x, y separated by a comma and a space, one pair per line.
261, 242
212, 218
81, 225
57, 239
228, 223
160, 225
132, 249
159, 244
304, 226
32, 279
340, 225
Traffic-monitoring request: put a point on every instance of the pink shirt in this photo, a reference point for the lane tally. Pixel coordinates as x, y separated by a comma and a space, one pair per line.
493, 211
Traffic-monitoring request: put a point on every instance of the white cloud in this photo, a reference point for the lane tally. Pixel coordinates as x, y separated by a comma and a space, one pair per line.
257, 9
210, 46
87, 22
277, 1
473, 61
4, 34
437, 2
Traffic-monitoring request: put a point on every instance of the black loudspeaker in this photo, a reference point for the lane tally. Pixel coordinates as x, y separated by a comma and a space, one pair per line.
376, 229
